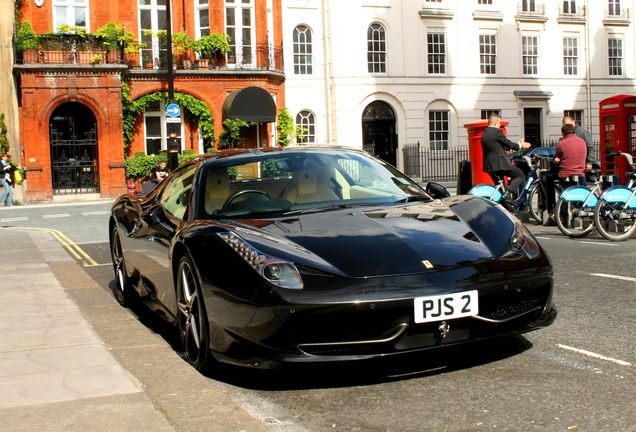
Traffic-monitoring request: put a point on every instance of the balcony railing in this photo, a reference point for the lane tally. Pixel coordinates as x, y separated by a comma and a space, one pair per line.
617, 14
529, 7
572, 12
77, 50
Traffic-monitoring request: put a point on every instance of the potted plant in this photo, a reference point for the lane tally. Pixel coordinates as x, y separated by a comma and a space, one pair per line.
182, 46
26, 42
211, 47
96, 59
115, 38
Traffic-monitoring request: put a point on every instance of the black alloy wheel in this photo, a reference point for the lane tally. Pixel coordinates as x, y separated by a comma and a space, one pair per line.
193, 323
122, 284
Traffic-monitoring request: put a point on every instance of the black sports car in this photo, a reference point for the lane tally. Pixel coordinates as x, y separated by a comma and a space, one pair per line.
317, 254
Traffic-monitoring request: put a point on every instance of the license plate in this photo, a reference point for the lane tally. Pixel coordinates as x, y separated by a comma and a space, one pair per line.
444, 307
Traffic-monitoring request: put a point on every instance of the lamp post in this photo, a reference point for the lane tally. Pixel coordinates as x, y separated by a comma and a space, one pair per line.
172, 127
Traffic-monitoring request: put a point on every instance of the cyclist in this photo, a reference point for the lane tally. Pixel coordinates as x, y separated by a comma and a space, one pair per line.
570, 154
493, 142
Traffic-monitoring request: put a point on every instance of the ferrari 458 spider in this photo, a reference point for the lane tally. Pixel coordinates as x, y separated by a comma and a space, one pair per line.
266, 257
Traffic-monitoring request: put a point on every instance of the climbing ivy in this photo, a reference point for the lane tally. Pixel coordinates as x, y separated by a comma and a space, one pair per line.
197, 109
4, 142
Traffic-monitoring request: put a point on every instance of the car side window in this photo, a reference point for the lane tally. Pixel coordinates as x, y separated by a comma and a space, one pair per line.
175, 197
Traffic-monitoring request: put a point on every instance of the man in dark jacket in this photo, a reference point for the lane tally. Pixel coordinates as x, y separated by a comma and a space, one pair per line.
585, 136
493, 143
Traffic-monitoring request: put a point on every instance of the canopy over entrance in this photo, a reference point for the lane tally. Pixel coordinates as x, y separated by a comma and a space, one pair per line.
250, 104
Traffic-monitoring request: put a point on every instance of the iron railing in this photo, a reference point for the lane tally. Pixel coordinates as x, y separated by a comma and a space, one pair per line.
433, 165
87, 49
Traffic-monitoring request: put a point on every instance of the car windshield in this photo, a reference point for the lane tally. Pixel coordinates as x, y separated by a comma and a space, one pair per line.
299, 181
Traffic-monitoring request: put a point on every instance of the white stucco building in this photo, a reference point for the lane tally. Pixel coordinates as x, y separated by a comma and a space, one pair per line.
391, 73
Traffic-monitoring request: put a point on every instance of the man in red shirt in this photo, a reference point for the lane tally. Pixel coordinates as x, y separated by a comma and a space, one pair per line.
571, 153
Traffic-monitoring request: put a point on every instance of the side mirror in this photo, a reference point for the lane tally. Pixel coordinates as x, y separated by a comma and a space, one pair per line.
156, 219
436, 190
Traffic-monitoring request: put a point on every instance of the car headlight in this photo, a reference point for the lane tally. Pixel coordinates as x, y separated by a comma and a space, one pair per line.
522, 241
275, 270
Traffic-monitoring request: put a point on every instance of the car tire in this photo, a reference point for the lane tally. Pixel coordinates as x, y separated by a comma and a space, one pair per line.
122, 289
192, 316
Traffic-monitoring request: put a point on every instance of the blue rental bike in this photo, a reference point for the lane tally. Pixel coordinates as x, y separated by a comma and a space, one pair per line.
527, 191
615, 211
574, 210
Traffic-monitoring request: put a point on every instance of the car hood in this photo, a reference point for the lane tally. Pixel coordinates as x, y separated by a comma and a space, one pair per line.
396, 240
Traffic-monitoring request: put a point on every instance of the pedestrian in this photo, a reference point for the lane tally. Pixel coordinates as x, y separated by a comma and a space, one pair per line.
496, 163
6, 181
570, 154
160, 173
585, 136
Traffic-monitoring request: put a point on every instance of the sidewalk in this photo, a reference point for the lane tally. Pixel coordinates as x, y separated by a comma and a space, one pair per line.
72, 359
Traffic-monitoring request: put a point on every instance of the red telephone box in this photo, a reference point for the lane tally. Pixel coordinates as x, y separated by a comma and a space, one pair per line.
618, 133
475, 153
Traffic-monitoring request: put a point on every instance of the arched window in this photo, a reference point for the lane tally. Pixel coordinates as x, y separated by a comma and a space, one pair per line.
306, 121
376, 48
303, 51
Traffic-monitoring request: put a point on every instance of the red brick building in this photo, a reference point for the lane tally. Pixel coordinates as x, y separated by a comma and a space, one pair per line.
72, 119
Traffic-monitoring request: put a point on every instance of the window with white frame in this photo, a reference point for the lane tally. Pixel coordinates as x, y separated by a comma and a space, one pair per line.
153, 24
439, 130
306, 121
436, 48
570, 55
488, 53
202, 18
70, 12
239, 25
484, 2
614, 7
530, 48
528, 6
303, 51
156, 128
577, 115
615, 55
376, 48
485, 114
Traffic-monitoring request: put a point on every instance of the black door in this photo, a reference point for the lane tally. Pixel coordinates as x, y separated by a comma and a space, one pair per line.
73, 133
378, 131
532, 126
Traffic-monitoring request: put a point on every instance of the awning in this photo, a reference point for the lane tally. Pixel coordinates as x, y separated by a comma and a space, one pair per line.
250, 104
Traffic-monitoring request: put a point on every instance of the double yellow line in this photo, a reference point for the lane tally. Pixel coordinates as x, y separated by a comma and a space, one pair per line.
74, 249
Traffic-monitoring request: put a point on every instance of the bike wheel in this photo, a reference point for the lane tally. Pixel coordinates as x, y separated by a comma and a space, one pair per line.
569, 221
613, 221
535, 198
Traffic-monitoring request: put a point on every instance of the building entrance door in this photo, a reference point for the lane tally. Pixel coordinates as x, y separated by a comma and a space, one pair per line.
378, 131
532, 126
73, 134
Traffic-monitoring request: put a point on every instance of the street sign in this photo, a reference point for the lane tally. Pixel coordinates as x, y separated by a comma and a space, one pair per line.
173, 119
173, 110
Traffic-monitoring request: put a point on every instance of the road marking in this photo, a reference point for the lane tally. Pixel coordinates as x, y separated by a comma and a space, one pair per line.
598, 356
600, 243
96, 213
625, 278
61, 215
73, 248
16, 219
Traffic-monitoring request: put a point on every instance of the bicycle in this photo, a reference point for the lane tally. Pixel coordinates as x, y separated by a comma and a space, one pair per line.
496, 192
574, 210
615, 211
536, 191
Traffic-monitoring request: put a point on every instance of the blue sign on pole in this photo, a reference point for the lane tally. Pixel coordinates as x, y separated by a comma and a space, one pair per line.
173, 110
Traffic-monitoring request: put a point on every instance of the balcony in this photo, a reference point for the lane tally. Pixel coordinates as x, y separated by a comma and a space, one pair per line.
85, 52
529, 11
617, 17
571, 15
